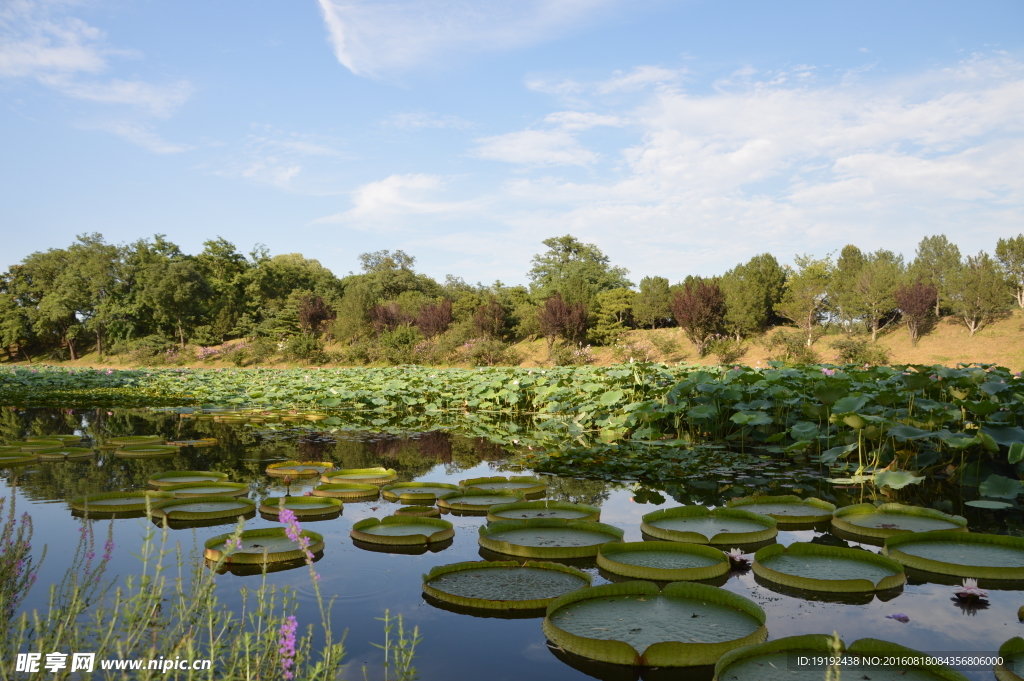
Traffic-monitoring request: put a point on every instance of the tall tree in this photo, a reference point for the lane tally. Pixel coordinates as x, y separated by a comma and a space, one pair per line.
224, 269
652, 306
699, 310
937, 262
557, 318
1010, 254
614, 313
568, 258
805, 300
843, 294
752, 290
177, 292
491, 318
978, 291
917, 306
874, 290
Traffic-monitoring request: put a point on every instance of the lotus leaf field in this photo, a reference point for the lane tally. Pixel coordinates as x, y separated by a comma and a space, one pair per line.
720, 519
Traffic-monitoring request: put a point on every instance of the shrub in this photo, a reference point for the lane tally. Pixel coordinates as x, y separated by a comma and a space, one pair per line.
789, 347
207, 354
699, 310
859, 351
236, 353
488, 352
627, 350
434, 318
917, 304
305, 347
572, 355
150, 349
727, 349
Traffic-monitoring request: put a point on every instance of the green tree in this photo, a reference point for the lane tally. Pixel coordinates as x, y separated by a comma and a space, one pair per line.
652, 306
94, 266
1010, 254
177, 292
978, 291
613, 314
937, 262
805, 300
14, 326
752, 290
224, 269
843, 295
567, 258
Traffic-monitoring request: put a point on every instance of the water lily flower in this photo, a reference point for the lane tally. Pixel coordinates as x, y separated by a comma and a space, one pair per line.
828, 372
899, 617
970, 590
736, 557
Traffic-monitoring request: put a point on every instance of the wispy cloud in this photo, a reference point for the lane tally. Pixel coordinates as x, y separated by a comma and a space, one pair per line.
372, 37
277, 158
536, 148
141, 136
417, 120
639, 78
386, 202
158, 100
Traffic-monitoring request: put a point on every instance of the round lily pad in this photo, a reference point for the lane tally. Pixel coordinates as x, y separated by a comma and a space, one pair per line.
416, 491
663, 561
347, 490
301, 506
68, 439
202, 442
61, 453
39, 445
962, 554
17, 458
477, 500
118, 502
525, 510
134, 440
269, 545
419, 511
817, 567
527, 485
1012, 668
700, 525
504, 585
145, 451
547, 537
398, 530
207, 508
787, 509
207, 489
299, 469
772, 661
364, 476
168, 478
890, 519
632, 623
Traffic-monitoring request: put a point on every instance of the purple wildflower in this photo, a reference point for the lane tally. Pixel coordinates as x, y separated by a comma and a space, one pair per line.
287, 643
235, 544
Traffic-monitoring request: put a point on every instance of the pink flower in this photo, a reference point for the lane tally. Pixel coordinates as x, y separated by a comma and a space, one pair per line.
235, 544
736, 557
969, 591
828, 372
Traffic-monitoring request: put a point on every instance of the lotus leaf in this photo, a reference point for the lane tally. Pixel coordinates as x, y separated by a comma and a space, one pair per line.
896, 479
299, 468
700, 525
817, 567
269, 545
522, 510
985, 503
786, 509
503, 585
632, 623
663, 561
398, 530
961, 554
365, 476
416, 491
891, 519
547, 537
1000, 487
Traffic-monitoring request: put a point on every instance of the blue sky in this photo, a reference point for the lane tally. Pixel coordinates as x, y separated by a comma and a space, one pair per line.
680, 137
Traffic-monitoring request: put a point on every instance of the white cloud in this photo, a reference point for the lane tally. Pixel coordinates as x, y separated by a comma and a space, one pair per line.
388, 201
581, 120
535, 148
143, 137
275, 157
371, 37
159, 100
416, 120
637, 79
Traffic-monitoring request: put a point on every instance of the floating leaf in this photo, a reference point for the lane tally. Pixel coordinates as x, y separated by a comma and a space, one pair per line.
1000, 487
985, 503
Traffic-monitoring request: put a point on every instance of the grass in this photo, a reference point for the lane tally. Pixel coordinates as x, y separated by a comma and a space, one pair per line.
169, 609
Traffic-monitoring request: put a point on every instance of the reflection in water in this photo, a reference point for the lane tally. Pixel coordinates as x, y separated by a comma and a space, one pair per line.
365, 579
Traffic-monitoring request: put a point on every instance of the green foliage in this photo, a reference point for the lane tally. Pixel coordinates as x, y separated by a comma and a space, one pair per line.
789, 348
853, 350
306, 348
1010, 254
571, 267
977, 292
936, 263
805, 300
752, 291
614, 312
652, 306
727, 349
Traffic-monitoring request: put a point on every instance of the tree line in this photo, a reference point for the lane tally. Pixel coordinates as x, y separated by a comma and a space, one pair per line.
154, 303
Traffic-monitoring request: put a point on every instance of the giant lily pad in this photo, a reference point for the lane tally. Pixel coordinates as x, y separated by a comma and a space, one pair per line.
118, 502
700, 525
145, 451
168, 478
39, 445
402, 531
347, 490
418, 511
69, 439
632, 623
207, 508
17, 458
527, 485
817, 567
187, 490
773, 661
961, 554
201, 442
664, 561
364, 476
1012, 667
116, 442
65, 452
301, 506
524, 510
887, 520
547, 537
477, 500
416, 491
296, 469
788, 509
502, 585
269, 545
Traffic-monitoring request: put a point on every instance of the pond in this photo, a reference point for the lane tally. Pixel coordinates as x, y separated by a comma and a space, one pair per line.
364, 581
